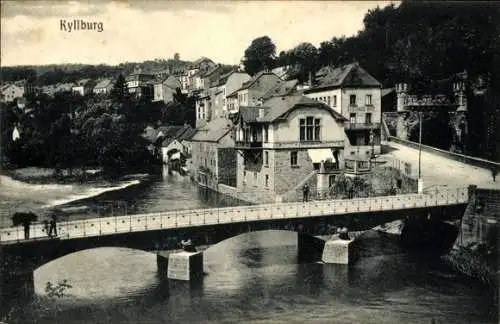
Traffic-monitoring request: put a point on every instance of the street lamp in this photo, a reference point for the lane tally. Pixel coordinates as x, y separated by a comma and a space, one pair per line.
420, 185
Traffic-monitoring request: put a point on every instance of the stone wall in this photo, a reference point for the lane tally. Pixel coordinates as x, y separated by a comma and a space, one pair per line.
482, 163
227, 166
287, 176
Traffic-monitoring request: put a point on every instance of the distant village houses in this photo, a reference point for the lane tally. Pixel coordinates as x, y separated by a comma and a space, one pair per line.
10, 92
103, 87
165, 89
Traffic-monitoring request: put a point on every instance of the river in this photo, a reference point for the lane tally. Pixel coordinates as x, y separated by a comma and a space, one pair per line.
253, 278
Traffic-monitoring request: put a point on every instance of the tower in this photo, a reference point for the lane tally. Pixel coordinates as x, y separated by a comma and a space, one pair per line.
402, 99
460, 114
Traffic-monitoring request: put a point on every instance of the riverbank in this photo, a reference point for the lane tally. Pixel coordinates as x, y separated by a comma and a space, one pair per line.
37, 194
37, 175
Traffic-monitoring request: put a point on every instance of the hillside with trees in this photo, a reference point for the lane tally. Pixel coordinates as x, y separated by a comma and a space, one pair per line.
418, 43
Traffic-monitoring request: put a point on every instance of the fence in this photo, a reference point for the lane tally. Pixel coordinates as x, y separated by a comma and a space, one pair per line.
471, 160
226, 215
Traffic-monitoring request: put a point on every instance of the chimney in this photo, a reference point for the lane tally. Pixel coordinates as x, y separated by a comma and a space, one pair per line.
310, 79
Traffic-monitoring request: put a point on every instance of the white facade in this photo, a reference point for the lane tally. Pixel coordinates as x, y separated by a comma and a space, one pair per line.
11, 92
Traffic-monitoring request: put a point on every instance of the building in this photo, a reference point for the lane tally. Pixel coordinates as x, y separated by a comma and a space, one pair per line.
11, 92
203, 107
83, 87
165, 88
173, 137
196, 71
213, 154
252, 91
287, 142
229, 83
103, 87
446, 98
64, 87
356, 95
136, 81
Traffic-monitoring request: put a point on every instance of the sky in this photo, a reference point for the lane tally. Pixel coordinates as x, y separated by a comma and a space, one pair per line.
135, 31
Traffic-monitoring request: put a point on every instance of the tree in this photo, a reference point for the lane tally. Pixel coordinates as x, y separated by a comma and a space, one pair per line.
259, 55
305, 57
120, 90
177, 57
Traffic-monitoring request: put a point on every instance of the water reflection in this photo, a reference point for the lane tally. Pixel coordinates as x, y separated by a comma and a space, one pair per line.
254, 277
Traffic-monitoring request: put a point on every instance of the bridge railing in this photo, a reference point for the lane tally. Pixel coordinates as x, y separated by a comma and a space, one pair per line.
200, 217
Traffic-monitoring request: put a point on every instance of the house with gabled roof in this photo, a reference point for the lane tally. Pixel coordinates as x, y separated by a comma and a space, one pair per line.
251, 91
213, 154
165, 88
103, 87
285, 142
172, 142
351, 91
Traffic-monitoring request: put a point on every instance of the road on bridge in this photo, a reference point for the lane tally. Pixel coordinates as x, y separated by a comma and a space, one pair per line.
438, 170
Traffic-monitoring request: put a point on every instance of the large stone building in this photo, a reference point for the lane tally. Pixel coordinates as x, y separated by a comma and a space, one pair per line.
356, 95
213, 154
285, 142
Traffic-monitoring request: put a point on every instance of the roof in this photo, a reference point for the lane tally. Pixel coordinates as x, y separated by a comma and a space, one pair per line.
188, 134
277, 107
103, 83
197, 63
252, 81
387, 91
172, 132
175, 133
213, 131
347, 75
211, 71
282, 89
82, 82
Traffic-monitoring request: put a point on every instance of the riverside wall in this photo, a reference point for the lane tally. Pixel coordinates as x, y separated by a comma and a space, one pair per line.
475, 252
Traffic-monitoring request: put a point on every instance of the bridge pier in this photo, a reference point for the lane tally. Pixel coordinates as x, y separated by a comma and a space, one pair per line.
185, 266
339, 251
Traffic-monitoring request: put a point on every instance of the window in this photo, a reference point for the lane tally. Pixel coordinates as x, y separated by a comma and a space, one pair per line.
352, 118
334, 101
294, 158
328, 100
352, 100
368, 100
266, 133
331, 180
368, 119
266, 158
267, 180
310, 129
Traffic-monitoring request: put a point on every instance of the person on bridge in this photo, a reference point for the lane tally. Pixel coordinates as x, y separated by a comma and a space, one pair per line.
53, 225
305, 193
26, 226
494, 173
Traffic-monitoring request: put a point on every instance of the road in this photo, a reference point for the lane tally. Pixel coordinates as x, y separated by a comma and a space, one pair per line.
438, 170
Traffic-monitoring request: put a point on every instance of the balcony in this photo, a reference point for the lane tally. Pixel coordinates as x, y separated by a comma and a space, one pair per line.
303, 144
361, 126
248, 145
